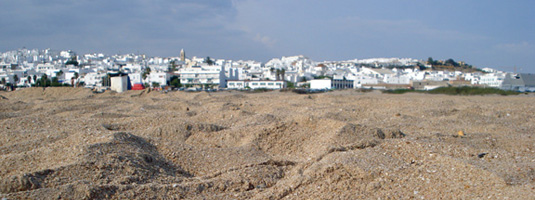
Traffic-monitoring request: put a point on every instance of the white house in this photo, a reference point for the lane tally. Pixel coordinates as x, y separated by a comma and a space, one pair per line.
93, 79
160, 78
360, 79
135, 78
320, 84
396, 79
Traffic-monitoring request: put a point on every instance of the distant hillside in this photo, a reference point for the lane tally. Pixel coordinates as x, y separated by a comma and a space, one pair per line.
451, 65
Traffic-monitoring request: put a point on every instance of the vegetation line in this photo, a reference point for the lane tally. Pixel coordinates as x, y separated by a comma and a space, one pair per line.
465, 90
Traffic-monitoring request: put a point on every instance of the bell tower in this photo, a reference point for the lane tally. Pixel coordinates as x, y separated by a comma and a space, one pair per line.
182, 55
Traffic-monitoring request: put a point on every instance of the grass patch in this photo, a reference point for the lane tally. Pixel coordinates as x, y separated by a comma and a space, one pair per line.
400, 91
465, 90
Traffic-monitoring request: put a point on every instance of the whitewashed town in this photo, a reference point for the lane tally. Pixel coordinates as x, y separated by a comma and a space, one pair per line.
40, 68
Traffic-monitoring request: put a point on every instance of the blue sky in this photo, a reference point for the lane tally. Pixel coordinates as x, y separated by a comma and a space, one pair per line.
491, 33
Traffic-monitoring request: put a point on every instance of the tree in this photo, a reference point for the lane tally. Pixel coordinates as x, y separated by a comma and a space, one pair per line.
451, 62
155, 84
172, 66
175, 82
43, 81
290, 84
72, 61
55, 82
208, 61
430, 61
76, 75
322, 77
29, 78
59, 73
15, 80
145, 73
3, 81
34, 78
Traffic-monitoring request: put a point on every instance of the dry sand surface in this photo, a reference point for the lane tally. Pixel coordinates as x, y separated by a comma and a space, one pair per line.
65, 143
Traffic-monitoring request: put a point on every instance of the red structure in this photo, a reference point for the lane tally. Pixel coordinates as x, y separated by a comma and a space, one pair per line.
138, 86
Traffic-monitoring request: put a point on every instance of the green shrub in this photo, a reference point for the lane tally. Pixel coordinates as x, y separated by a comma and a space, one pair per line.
398, 91
465, 90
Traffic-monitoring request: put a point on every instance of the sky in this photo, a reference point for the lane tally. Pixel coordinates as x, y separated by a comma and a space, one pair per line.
485, 33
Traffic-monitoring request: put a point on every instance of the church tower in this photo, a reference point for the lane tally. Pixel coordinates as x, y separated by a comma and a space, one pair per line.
182, 55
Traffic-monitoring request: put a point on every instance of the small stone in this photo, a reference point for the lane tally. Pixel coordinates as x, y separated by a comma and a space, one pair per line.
481, 155
460, 133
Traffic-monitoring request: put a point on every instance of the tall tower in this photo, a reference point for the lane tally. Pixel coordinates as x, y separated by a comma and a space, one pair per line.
182, 55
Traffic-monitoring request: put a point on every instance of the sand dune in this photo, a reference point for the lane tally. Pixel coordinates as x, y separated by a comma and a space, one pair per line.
73, 144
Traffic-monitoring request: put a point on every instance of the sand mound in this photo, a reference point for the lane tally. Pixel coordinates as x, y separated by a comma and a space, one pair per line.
50, 93
69, 143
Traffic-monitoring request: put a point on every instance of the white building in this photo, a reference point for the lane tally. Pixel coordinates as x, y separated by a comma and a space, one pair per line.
160, 78
93, 79
203, 75
119, 83
491, 79
43, 68
246, 84
136, 78
363, 79
396, 79
320, 84
519, 82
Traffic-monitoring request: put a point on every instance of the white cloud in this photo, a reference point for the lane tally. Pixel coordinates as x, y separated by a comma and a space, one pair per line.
267, 41
519, 47
382, 27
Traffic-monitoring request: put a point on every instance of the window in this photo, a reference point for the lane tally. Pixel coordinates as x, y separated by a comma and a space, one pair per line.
279, 83
270, 83
230, 83
255, 83
262, 83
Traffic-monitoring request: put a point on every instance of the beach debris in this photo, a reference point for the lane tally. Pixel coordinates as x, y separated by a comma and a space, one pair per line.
481, 155
460, 133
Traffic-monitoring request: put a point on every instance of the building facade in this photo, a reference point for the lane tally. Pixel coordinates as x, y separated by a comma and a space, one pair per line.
249, 84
